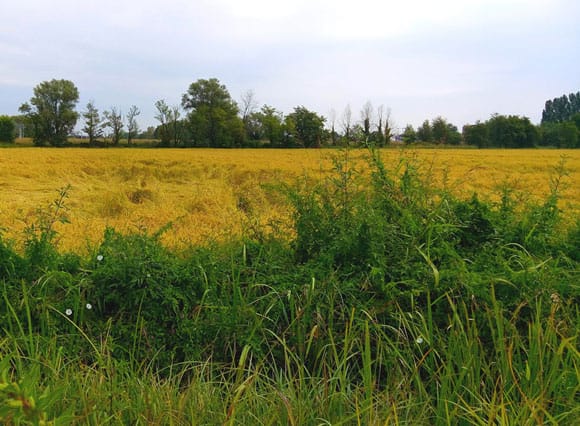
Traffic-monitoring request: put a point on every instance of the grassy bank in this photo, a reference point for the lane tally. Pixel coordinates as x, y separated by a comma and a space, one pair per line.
390, 301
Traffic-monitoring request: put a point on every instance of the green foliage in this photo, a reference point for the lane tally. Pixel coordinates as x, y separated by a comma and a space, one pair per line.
561, 135
212, 117
561, 109
444, 132
502, 131
7, 127
424, 132
51, 111
409, 134
477, 134
267, 124
93, 123
307, 127
392, 301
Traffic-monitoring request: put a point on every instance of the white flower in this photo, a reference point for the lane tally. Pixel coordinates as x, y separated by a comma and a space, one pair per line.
89, 306
100, 257
419, 340
68, 312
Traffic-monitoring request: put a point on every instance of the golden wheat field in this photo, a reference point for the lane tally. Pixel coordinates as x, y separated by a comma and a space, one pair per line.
214, 194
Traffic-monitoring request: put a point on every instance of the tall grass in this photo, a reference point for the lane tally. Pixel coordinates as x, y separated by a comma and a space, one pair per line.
390, 302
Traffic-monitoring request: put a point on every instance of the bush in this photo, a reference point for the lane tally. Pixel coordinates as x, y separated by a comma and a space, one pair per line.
7, 128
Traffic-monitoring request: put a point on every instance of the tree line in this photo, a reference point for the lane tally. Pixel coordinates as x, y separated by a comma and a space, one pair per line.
208, 116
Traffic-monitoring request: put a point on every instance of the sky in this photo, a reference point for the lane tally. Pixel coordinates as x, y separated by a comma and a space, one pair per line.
463, 60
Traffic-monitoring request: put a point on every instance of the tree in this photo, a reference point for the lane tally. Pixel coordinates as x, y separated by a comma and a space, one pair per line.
444, 132
561, 109
424, 132
270, 125
439, 130
213, 115
132, 126
114, 120
51, 111
176, 125
93, 124
347, 122
512, 131
561, 135
366, 118
409, 134
164, 117
248, 105
6, 129
308, 126
476, 134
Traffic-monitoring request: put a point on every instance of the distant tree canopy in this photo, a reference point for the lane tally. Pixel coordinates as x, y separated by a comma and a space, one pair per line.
502, 131
212, 115
560, 135
266, 124
559, 110
307, 127
211, 118
477, 134
51, 111
561, 122
7, 128
409, 135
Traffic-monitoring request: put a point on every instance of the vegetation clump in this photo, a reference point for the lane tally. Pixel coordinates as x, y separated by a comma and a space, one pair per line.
392, 301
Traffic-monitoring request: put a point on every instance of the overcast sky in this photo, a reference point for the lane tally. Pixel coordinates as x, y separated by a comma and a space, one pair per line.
461, 59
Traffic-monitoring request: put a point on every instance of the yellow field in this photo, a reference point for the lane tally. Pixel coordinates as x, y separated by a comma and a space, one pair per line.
208, 193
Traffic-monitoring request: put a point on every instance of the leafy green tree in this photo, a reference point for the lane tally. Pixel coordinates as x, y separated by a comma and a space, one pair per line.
512, 131
424, 132
93, 124
561, 109
445, 132
268, 123
51, 111
569, 135
561, 135
308, 127
6, 129
213, 115
409, 135
453, 135
476, 134
439, 130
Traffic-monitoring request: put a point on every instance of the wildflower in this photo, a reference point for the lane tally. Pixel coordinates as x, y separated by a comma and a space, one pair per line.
419, 340
89, 306
68, 312
100, 257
